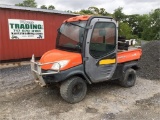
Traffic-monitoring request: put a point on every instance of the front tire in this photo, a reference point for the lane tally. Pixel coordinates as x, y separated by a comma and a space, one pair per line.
129, 78
73, 90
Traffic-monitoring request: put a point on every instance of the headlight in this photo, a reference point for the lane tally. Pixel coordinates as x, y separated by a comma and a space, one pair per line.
59, 64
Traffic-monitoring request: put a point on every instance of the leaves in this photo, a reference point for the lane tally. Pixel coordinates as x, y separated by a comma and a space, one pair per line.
32, 3
51, 7
43, 7
118, 14
151, 25
28, 3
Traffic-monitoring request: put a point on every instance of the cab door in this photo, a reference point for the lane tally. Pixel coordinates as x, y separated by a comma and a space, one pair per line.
101, 49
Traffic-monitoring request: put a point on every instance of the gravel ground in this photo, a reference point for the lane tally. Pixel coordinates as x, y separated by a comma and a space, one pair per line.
15, 77
21, 98
150, 61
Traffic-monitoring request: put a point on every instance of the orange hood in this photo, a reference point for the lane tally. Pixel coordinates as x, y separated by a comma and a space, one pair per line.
58, 55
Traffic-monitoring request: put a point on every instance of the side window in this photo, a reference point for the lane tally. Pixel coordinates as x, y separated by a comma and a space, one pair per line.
103, 39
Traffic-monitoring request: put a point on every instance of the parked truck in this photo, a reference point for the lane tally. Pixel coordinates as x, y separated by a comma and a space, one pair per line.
88, 50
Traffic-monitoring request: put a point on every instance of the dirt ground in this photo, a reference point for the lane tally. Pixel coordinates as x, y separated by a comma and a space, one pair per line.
22, 99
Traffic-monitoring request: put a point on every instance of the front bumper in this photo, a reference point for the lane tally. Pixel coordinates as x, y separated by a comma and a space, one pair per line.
37, 71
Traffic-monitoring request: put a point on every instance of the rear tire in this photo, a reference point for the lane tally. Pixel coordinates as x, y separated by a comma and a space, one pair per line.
73, 90
129, 78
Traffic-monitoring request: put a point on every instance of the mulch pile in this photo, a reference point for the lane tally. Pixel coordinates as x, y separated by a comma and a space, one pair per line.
150, 61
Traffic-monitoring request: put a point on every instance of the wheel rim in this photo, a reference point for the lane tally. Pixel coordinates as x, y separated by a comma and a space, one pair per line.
77, 89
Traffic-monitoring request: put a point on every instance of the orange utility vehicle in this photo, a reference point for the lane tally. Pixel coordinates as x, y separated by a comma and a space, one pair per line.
88, 50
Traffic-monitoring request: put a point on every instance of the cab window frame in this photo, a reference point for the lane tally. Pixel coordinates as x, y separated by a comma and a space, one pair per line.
107, 53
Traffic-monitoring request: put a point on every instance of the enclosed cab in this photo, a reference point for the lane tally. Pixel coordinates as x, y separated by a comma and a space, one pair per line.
86, 52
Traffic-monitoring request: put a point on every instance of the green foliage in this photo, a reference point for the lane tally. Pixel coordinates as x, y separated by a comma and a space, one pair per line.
93, 11
51, 7
148, 26
84, 12
151, 26
69, 11
28, 3
133, 21
126, 30
43, 7
145, 26
155, 23
118, 14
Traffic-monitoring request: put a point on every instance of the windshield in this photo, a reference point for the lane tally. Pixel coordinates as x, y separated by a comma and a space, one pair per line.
70, 35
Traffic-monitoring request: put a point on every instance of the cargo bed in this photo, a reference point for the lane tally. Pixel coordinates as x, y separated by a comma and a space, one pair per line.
130, 55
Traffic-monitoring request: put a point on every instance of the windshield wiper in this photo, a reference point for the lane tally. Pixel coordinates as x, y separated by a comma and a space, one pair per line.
76, 25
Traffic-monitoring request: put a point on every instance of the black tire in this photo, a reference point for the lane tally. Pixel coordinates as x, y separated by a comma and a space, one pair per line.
129, 78
73, 90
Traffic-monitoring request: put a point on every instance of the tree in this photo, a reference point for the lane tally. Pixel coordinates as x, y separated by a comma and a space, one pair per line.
84, 12
97, 11
118, 14
28, 3
94, 10
103, 12
126, 30
134, 22
142, 25
43, 7
155, 24
150, 24
69, 11
51, 7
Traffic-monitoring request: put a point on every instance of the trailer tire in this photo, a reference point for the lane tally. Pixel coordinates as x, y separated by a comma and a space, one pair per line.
129, 78
73, 90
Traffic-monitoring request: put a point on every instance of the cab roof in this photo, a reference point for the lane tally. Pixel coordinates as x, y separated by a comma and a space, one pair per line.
78, 18
84, 18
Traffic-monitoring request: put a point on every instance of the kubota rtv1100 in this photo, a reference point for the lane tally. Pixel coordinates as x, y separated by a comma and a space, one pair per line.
88, 50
